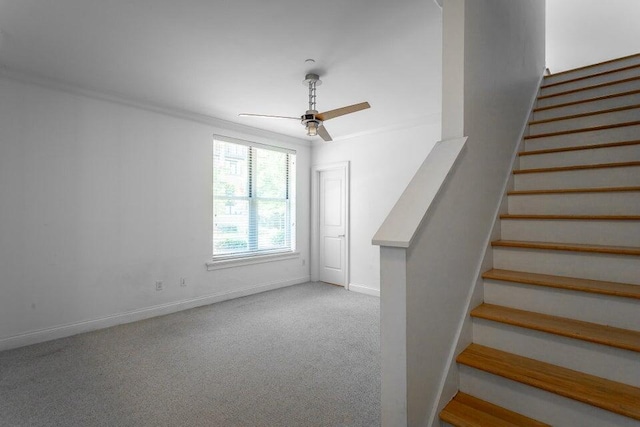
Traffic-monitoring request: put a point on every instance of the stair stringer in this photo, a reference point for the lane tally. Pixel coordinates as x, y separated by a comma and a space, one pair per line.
449, 383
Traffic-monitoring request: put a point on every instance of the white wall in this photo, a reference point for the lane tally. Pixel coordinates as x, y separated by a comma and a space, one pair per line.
98, 201
381, 167
583, 32
503, 62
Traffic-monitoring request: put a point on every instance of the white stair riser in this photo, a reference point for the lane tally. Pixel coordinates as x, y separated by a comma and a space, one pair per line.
593, 92
614, 268
595, 359
591, 81
622, 116
597, 232
614, 203
593, 156
536, 403
615, 65
622, 133
587, 107
585, 178
595, 308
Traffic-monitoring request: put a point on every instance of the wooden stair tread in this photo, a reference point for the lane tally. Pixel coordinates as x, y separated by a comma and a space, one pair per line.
467, 411
571, 247
587, 129
590, 113
579, 148
619, 398
590, 76
573, 217
601, 287
578, 167
610, 395
577, 329
596, 86
584, 101
573, 190
622, 58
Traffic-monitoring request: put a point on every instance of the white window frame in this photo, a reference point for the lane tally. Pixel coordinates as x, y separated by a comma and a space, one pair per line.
254, 257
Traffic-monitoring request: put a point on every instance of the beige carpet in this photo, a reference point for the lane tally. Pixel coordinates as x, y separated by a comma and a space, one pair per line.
307, 355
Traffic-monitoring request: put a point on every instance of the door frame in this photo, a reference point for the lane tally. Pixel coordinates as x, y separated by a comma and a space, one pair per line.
315, 217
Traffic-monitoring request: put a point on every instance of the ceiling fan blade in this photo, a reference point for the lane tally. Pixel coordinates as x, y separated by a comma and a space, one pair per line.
342, 111
322, 131
267, 116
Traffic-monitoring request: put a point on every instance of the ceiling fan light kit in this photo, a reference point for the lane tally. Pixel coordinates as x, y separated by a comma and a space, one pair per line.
312, 128
311, 119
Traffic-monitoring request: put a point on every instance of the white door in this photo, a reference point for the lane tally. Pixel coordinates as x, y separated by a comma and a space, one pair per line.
332, 220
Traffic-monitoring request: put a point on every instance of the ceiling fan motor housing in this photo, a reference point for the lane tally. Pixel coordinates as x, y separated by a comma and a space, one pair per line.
310, 122
310, 116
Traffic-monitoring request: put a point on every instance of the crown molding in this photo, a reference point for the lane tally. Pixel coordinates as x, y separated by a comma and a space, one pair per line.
423, 120
220, 124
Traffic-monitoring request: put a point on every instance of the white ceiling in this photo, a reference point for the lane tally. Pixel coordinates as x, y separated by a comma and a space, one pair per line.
583, 32
220, 58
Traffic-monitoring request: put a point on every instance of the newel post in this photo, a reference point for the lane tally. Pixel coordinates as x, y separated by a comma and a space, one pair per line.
393, 335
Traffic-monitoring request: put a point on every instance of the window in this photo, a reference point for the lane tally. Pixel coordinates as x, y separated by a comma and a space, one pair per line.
253, 198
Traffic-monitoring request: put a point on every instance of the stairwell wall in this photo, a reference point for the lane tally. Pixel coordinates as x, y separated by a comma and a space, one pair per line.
503, 57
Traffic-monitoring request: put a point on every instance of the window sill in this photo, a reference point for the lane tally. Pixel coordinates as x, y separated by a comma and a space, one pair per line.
255, 259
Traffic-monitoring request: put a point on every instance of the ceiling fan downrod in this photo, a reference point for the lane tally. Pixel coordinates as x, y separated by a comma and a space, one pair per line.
309, 119
313, 80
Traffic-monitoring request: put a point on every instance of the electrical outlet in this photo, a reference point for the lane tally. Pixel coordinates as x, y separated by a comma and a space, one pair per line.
159, 285
304, 261
183, 282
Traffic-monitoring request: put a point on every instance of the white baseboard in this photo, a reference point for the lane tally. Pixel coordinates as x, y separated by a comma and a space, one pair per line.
364, 290
67, 330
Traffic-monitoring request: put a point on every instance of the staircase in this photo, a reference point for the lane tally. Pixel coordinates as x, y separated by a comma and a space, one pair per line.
557, 339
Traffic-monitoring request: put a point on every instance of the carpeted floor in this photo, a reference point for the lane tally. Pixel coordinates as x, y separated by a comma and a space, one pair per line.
307, 355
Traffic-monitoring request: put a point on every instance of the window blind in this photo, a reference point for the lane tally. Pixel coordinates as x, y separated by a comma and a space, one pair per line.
253, 198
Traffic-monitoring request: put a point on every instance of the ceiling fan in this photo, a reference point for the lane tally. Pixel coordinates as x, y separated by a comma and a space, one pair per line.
311, 119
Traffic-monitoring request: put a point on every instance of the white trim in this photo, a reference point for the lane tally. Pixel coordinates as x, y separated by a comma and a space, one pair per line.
361, 289
67, 330
314, 257
451, 363
218, 264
